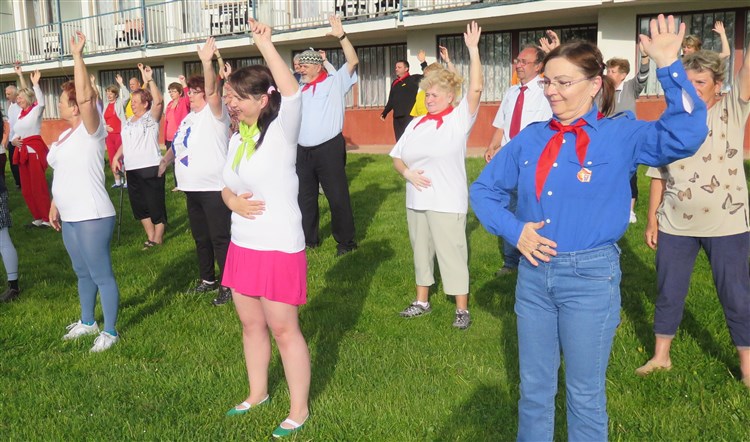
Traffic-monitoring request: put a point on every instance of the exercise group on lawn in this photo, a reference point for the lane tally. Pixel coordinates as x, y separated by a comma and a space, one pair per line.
252, 146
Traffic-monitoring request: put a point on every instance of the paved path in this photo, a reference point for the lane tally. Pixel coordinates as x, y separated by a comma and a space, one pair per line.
386, 148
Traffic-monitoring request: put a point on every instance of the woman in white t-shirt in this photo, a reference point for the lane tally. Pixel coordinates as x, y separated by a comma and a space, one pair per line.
141, 154
81, 206
430, 156
199, 149
266, 266
30, 154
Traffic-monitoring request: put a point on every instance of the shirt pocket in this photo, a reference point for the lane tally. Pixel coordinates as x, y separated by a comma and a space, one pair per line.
588, 183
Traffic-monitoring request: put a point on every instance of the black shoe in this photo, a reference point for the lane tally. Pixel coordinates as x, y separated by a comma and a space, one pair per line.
225, 295
9, 294
344, 251
205, 287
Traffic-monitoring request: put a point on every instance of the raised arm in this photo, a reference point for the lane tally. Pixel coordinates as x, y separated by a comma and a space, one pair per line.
21, 80
36, 76
476, 78
350, 54
743, 76
210, 89
282, 76
726, 51
157, 103
330, 68
85, 93
124, 92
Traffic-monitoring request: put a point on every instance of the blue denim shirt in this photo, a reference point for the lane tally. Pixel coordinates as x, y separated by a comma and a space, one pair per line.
578, 215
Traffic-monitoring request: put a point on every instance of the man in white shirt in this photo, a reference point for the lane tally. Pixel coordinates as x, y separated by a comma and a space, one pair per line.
14, 110
522, 104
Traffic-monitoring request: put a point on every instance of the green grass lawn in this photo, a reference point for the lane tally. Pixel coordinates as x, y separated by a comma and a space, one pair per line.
376, 376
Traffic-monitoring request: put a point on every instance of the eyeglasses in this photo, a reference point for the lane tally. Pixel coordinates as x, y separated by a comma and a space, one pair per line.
522, 62
194, 92
560, 85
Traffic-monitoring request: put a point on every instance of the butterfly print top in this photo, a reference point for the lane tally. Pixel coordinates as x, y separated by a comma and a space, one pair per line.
706, 194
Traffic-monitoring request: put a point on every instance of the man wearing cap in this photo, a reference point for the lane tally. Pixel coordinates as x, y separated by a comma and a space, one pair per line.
321, 150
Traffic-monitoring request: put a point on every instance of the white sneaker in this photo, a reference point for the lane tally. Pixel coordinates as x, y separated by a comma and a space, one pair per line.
78, 329
37, 222
103, 342
633, 219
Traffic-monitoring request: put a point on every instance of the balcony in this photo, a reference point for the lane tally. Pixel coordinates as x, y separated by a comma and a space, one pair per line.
175, 22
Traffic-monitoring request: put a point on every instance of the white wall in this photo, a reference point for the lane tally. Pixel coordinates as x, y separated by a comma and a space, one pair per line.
617, 38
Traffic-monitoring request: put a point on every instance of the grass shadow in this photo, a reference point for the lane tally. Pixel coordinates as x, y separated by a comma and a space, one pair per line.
486, 415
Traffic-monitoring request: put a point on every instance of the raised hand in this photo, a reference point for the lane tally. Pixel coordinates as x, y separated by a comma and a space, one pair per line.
337, 29
550, 42
206, 53
146, 73
663, 45
261, 32
421, 56
323, 54
118, 79
226, 70
35, 77
472, 34
719, 28
444, 54
18, 69
77, 42
181, 79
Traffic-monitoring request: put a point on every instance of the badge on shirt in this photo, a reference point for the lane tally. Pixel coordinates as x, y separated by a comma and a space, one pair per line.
584, 175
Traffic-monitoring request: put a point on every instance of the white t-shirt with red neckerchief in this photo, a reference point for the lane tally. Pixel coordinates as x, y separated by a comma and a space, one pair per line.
441, 153
200, 146
270, 174
78, 179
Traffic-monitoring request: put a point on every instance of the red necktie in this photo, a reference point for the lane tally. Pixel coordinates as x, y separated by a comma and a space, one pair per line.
515, 121
322, 76
552, 149
438, 117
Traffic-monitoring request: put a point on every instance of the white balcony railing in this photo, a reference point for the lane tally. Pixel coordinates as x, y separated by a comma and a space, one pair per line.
176, 21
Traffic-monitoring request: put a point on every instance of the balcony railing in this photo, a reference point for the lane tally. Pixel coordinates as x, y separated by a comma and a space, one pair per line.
176, 21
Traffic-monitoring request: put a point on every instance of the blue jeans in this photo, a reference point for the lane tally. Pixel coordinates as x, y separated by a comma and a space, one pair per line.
571, 304
87, 243
511, 255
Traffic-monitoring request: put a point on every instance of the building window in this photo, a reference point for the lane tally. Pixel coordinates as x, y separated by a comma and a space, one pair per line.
376, 73
196, 67
495, 52
51, 89
570, 33
701, 25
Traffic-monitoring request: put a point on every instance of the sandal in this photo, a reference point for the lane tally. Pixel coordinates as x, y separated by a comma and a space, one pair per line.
280, 431
149, 244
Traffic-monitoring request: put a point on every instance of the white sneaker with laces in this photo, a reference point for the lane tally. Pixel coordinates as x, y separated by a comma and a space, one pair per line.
78, 329
103, 342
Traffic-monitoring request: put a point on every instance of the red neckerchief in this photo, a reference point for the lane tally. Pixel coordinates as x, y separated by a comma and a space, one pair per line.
322, 76
438, 117
399, 79
26, 111
552, 149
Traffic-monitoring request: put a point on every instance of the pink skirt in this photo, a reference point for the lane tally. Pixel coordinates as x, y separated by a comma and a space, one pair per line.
276, 276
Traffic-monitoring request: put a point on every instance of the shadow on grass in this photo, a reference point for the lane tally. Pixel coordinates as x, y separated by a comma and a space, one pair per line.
488, 415
638, 278
135, 307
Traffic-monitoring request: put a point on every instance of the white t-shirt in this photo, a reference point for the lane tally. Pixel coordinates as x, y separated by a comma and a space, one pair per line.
441, 154
31, 123
200, 146
78, 179
140, 142
271, 176
535, 108
13, 111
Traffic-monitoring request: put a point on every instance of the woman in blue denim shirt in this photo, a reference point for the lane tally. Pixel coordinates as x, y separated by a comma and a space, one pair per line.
572, 175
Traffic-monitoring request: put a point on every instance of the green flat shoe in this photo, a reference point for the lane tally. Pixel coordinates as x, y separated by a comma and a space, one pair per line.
280, 431
244, 407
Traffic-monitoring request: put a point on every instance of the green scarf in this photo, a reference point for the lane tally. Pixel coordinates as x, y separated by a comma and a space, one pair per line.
247, 145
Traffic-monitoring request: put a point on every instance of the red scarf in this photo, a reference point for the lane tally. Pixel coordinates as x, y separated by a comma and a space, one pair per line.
552, 149
320, 78
399, 79
26, 111
438, 117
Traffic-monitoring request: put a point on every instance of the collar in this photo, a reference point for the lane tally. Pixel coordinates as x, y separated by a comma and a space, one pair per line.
592, 117
531, 84
400, 79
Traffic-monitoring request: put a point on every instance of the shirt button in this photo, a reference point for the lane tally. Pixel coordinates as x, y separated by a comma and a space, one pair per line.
589, 163
549, 193
554, 164
564, 141
548, 220
525, 163
675, 74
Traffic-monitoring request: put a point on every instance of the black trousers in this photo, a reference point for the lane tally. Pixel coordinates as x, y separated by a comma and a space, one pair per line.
210, 222
13, 167
399, 125
325, 164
